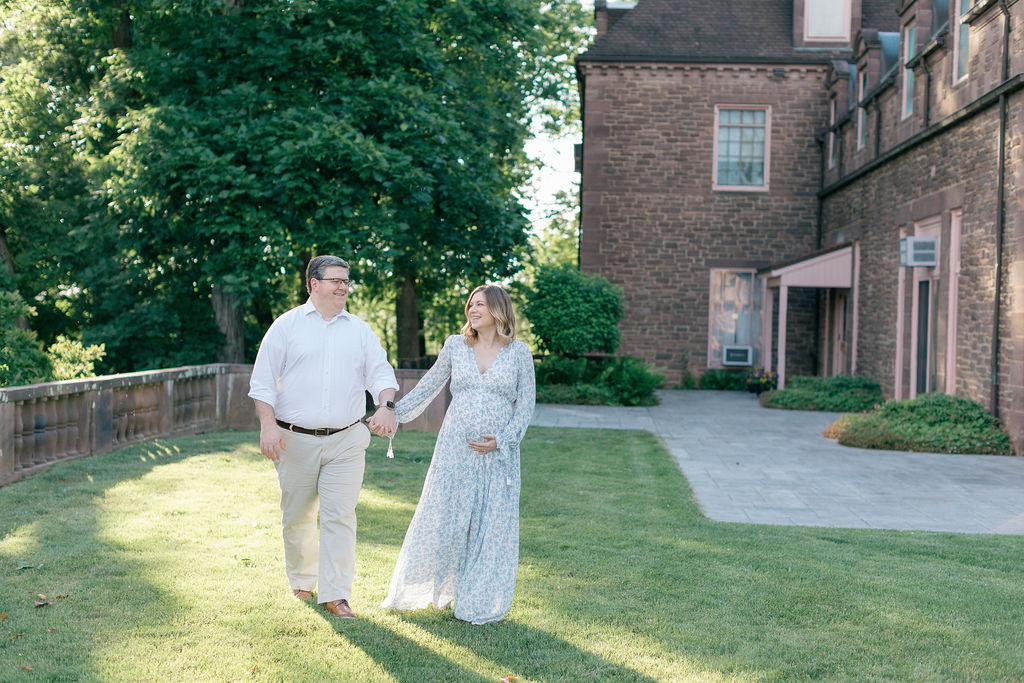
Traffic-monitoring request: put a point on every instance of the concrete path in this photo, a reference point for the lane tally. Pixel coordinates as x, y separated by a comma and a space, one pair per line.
750, 464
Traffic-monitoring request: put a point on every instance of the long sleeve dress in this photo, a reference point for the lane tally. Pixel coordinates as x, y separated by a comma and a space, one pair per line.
462, 545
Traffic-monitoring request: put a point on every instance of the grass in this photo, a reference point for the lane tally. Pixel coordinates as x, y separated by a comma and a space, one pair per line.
163, 562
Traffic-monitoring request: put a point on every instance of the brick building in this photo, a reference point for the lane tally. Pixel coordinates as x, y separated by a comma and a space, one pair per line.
752, 172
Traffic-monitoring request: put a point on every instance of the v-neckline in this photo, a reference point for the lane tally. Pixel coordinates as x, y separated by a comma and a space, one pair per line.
472, 351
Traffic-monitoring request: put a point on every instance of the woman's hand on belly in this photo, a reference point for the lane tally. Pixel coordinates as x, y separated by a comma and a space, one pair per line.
486, 444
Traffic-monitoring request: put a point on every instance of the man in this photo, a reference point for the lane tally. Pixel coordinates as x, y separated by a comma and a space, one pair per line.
312, 369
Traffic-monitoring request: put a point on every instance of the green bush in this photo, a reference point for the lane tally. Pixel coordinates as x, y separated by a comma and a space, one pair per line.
72, 360
22, 359
632, 381
622, 380
834, 394
931, 423
573, 313
728, 380
554, 369
576, 394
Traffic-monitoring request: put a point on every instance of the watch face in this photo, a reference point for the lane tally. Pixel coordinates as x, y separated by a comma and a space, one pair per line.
389, 404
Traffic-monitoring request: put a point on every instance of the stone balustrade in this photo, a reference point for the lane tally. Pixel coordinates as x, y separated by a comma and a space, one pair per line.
43, 424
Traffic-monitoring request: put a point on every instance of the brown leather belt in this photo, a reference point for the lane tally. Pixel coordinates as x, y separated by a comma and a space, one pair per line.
319, 431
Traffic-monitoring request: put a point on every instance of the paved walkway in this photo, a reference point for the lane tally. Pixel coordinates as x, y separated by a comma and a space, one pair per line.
751, 464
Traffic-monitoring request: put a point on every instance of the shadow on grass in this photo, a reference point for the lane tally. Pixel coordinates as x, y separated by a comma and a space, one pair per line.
507, 647
55, 542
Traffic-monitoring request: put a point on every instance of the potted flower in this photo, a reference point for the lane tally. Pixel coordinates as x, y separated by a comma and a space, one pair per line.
760, 380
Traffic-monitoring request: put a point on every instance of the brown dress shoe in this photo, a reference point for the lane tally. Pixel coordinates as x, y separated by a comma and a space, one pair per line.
339, 608
300, 594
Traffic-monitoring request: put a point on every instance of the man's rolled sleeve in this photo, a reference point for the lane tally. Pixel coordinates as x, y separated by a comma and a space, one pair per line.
377, 370
267, 368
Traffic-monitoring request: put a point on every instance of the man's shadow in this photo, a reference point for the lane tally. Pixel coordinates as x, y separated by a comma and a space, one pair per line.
512, 647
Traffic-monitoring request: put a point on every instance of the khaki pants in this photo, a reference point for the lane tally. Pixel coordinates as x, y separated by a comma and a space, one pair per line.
321, 473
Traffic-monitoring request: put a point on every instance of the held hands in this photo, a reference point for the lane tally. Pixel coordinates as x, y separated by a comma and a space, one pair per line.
382, 422
487, 444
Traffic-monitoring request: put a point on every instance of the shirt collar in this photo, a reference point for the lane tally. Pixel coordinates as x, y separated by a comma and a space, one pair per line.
308, 309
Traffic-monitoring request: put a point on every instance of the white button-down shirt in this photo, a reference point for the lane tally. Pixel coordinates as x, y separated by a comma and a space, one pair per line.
314, 371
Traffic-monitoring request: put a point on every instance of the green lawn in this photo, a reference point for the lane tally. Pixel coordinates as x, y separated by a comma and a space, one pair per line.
162, 561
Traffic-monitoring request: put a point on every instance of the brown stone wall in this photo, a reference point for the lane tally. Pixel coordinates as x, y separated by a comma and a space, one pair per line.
651, 221
954, 171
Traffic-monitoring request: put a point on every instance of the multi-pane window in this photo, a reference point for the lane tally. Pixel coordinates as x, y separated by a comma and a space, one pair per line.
909, 48
961, 40
827, 20
741, 148
862, 112
833, 148
735, 312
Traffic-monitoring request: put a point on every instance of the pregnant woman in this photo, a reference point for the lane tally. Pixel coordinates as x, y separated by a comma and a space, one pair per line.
462, 545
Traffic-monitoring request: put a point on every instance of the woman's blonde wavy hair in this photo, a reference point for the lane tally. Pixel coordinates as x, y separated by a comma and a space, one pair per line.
500, 306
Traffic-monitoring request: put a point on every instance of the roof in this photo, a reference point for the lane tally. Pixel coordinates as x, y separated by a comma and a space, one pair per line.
757, 31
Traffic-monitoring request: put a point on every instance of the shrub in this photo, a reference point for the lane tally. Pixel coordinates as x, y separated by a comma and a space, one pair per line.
932, 423
573, 313
72, 360
22, 359
576, 394
555, 369
834, 394
631, 380
729, 380
623, 380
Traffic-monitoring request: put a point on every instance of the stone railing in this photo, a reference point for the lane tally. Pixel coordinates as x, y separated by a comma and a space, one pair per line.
43, 424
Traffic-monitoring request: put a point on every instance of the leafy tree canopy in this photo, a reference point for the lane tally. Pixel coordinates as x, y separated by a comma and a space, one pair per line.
178, 163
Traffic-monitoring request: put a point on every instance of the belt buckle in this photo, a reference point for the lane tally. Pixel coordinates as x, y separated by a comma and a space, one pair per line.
322, 431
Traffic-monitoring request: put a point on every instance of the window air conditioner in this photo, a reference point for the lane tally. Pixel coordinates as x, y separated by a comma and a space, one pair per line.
737, 355
918, 251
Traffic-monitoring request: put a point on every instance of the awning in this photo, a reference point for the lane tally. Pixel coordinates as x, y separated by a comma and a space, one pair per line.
832, 267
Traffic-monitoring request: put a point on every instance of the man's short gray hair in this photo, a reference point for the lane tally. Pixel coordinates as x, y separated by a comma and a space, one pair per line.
318, 266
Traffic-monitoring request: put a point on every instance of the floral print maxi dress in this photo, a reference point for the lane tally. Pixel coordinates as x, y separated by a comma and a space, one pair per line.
463, 542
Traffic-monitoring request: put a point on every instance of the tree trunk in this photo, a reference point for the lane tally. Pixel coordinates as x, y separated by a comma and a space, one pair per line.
5, 256
121, 34
228, 313
407, 320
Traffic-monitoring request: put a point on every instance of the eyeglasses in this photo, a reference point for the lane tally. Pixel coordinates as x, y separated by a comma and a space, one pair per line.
336, 281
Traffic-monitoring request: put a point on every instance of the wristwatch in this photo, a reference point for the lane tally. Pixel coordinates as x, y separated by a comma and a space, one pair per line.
390, 405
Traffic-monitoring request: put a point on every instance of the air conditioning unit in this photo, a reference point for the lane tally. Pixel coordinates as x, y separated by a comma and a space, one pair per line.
737, 355
918, 252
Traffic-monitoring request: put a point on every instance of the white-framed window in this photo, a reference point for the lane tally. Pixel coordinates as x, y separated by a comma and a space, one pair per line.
742, 143
734, 312
833, 147
862, 111
909, 50
961, 39
827, 20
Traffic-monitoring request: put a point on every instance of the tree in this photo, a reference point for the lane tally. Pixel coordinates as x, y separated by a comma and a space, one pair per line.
208, 149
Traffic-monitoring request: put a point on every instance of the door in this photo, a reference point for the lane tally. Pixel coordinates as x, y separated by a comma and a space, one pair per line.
837, 334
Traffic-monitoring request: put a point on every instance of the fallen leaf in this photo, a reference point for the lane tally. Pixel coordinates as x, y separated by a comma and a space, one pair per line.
40, 603
40, 596
3, 616
16, 636
50, 630
25, 565
507, 679
26, 667
254, 667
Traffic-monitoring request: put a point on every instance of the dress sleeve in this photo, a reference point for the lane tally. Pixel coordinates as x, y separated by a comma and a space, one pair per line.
526, 398
416, 401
